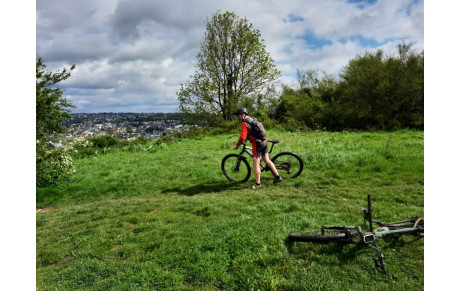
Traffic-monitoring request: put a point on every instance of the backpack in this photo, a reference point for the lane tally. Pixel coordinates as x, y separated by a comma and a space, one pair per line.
256, 128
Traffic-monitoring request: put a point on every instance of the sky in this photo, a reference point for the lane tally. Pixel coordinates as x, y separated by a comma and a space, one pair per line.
132, 55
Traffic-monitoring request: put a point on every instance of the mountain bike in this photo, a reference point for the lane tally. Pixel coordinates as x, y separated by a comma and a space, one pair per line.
354, 234
236, 167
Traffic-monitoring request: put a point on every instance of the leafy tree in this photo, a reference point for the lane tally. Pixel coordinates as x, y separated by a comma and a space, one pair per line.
299, 109
51, 105
408, 75
308, 78
304, 107
384, 92
52, 165
233, 65
375, 92
364, 99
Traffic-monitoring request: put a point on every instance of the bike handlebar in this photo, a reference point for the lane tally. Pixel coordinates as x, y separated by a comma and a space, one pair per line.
369, 212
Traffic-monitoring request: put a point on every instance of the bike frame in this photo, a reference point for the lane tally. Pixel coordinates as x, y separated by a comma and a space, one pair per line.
248, 150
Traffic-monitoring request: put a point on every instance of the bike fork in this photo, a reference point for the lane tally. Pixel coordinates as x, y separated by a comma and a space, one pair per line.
238, 163
378, 261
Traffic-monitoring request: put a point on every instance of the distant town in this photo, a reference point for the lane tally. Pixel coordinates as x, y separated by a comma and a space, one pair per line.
125, 125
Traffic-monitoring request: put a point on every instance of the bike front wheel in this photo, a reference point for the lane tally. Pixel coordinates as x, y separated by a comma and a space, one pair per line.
236, 168
289, 165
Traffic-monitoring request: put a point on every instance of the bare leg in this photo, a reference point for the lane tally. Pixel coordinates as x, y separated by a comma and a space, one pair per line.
256, 165
270, 164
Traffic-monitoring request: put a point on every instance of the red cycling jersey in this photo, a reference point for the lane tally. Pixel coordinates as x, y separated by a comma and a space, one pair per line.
245, 133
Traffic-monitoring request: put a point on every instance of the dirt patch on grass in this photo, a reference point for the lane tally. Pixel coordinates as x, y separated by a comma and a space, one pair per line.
47, 209
115, 248
130, 225
153, 211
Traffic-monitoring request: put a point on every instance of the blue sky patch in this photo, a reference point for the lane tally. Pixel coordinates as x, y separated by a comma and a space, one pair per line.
313, 41
364, 41
293, 18
362, 3
409, 7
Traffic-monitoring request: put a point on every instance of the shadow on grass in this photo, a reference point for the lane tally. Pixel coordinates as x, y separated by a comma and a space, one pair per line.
305, 250
345, 253
397, 241
204, 188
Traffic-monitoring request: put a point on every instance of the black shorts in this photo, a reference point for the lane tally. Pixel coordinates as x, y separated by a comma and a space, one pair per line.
262, 148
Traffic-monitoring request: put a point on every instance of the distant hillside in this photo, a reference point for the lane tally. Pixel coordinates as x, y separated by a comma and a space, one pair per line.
125, 125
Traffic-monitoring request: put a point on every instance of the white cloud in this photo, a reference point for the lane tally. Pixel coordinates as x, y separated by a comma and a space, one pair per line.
138, 52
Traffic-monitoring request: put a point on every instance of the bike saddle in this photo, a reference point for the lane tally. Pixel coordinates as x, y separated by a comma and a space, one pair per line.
274, 141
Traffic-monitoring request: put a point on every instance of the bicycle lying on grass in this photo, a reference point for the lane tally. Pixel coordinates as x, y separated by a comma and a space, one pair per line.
236, 167
354, 234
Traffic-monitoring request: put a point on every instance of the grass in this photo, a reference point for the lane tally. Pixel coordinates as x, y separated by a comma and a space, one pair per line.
164, 217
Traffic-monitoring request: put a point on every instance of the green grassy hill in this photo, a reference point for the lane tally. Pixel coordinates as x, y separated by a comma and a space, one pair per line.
164, 217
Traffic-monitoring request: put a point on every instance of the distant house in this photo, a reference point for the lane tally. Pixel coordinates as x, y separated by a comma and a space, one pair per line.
118, 131
54, 144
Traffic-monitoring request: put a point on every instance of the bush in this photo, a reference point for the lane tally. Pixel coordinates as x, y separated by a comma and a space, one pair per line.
294, 125
268, 122
230, 126
140, 140
104, 141
52, 165
81, 148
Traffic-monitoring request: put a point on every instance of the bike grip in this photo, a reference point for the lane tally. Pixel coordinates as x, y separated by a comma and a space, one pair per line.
369, 203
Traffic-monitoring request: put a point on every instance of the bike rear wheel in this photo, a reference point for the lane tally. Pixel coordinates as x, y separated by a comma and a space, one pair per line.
289, 165
328, 235
236, 168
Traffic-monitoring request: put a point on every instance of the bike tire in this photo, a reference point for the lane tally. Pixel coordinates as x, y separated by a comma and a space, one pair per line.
337, 237
344, 234
232, 172
289, 165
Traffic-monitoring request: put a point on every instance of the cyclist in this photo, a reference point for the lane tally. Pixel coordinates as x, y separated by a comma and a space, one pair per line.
259, 147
